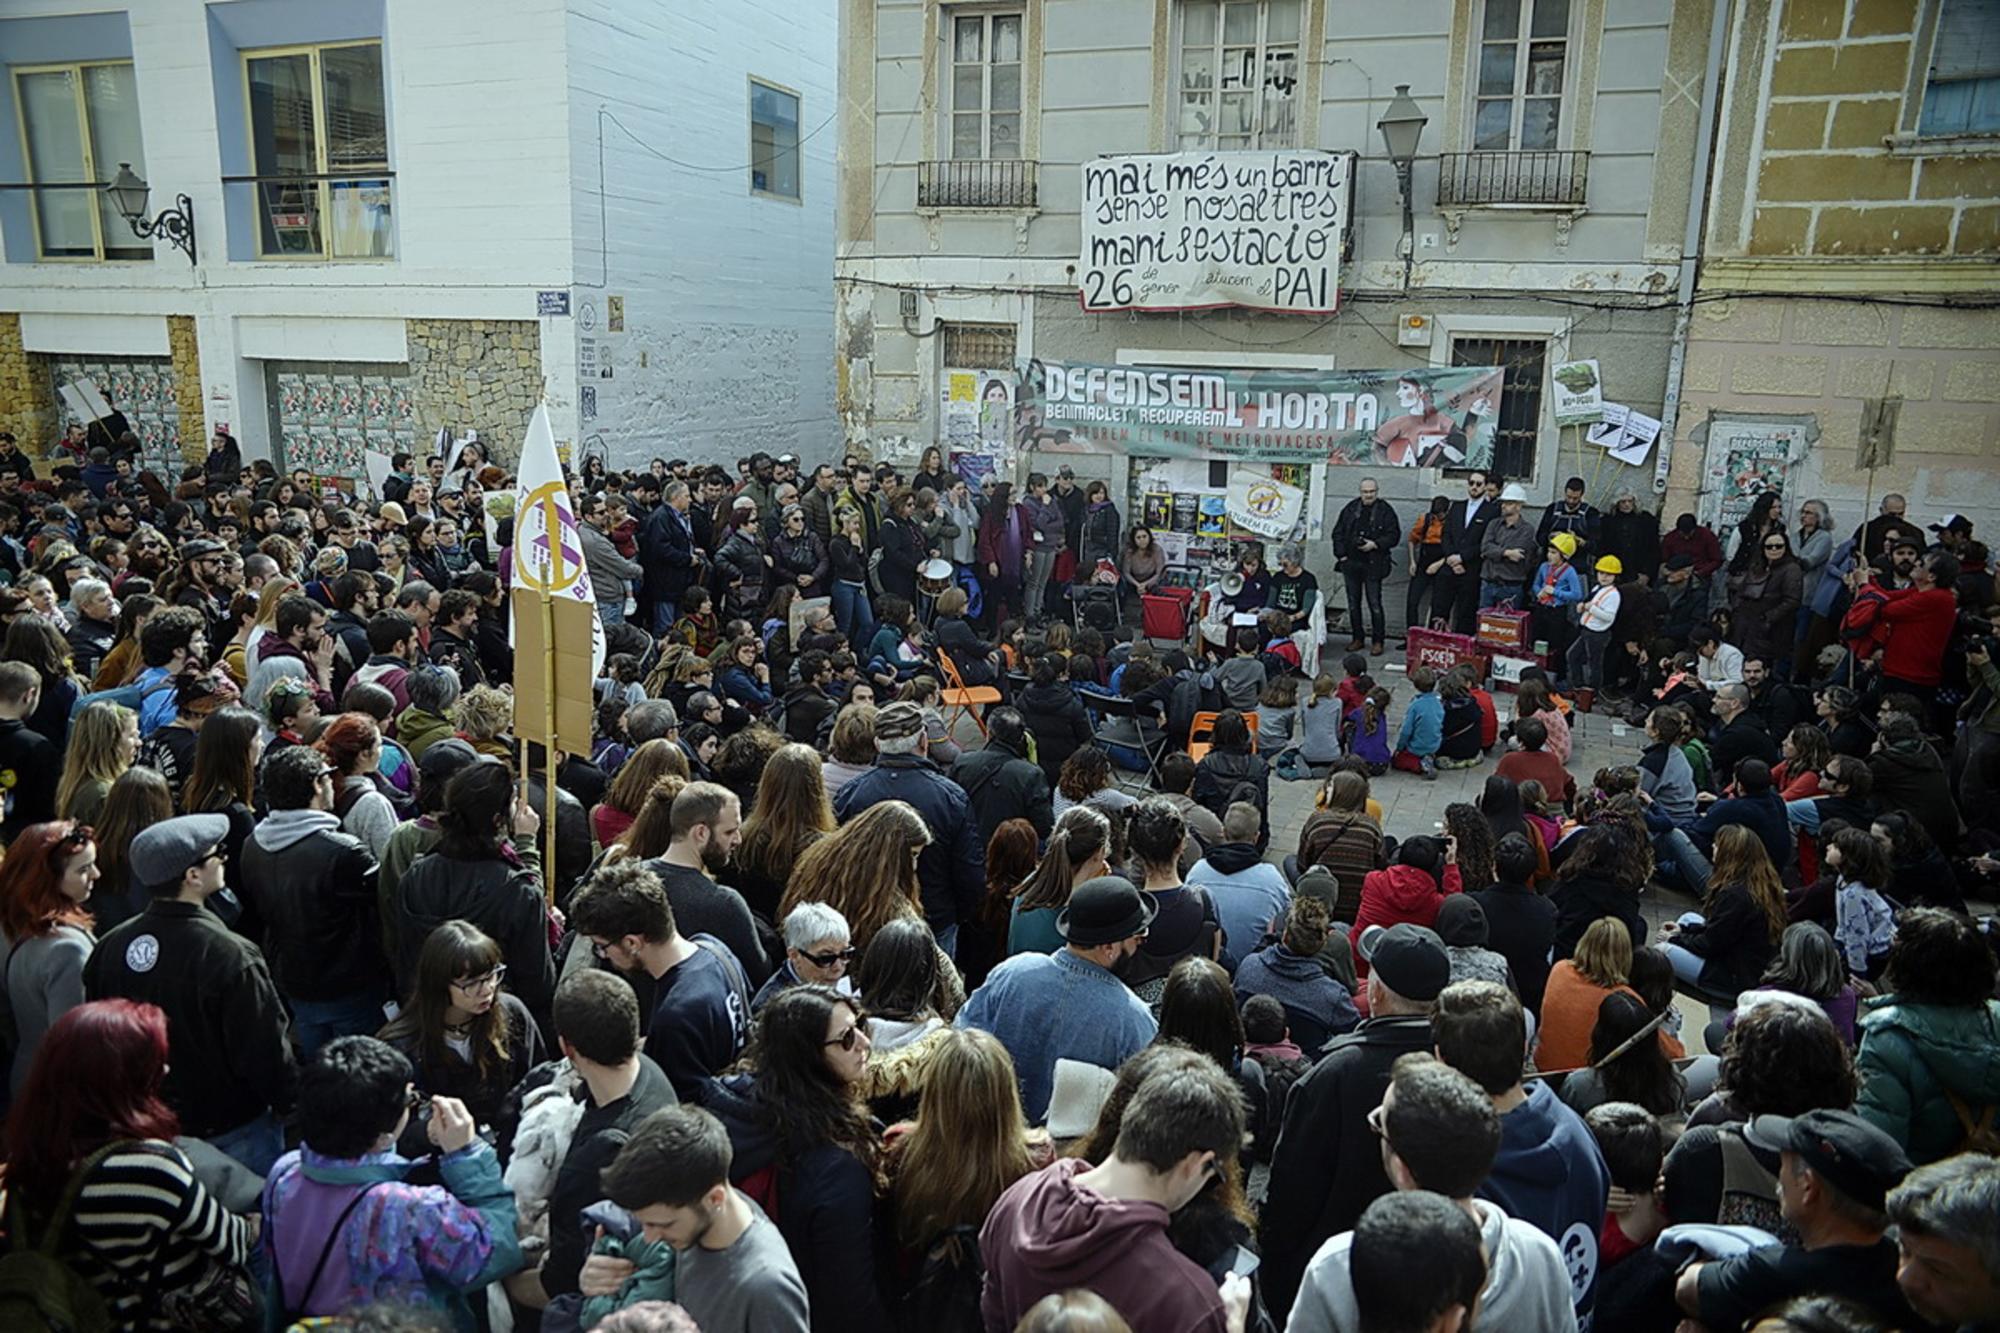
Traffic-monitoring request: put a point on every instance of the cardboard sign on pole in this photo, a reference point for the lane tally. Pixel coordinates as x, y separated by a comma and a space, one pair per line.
574, 622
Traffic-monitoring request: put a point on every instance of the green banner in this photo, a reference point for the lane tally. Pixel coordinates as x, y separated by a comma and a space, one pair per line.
1430, 416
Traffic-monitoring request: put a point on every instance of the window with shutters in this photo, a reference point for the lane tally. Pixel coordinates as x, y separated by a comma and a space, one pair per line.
1239, 73
1962, 89
985, 88
78, 123
1523, 360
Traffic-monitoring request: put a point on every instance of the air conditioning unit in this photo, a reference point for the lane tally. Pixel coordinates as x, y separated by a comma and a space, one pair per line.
1413, 331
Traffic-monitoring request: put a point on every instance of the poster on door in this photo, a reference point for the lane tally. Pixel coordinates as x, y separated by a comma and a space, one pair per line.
977, 411
1746, 459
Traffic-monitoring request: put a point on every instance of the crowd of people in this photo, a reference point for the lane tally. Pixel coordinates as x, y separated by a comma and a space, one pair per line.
911, 951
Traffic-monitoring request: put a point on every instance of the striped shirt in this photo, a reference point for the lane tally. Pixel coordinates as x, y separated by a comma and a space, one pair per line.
143, 1226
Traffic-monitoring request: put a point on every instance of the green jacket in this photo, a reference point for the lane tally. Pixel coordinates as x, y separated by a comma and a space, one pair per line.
418, 731
1912, 1055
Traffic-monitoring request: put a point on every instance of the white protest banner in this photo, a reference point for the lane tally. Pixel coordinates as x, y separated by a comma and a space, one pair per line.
379, 466
1608, 431
1181, 231
548, 545
1579, 392
1263, 504
1640, 432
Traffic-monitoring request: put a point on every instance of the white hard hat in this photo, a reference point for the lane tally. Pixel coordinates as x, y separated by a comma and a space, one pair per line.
1514, 491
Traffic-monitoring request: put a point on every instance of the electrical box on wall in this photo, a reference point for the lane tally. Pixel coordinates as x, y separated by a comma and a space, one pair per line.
1413, 331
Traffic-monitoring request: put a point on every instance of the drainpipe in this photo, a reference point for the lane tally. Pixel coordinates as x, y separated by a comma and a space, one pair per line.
1701, 171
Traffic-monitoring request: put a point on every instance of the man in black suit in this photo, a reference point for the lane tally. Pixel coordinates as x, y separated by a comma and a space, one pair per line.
1458, 574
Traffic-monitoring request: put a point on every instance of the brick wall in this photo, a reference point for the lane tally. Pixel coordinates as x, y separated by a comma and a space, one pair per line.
1827, 184
185, 350
476, 374
27, 403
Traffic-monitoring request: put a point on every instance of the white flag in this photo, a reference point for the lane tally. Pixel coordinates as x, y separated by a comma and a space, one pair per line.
443, 444
548, 546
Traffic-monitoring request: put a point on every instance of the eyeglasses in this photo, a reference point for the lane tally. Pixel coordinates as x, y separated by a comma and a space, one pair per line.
485, 981
849, 1039
213, 854
1377, 1122
827, 959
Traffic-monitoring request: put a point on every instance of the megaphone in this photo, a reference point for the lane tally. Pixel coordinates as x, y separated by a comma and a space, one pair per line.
1232, 583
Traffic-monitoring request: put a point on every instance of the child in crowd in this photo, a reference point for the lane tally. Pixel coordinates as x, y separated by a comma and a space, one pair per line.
1536, 810
923, 692
1595, 616
698, 627
1281, 653
1489, 716
1863, 925
621, 680
1423, 728
840, 688
1634, 1146
1460, 746
1013, 637
1357, 683
1277, 707
1318, 723
1242, 678
1368, 731
609, 750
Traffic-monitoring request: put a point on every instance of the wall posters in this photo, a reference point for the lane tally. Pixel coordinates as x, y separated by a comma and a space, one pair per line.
1263, 505
1747, 458
1181, 231
1429, 416
976, 408
1577, 392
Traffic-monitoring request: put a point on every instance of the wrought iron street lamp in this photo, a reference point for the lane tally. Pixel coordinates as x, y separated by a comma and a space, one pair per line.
1402, 127
129, 195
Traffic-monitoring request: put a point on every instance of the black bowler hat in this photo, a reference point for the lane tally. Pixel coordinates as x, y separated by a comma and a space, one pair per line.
1104, 910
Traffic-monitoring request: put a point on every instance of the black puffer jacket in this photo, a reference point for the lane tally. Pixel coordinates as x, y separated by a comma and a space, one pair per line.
309, 897
1000, 784
502, 896
742, 578
1582, 900
1056, 720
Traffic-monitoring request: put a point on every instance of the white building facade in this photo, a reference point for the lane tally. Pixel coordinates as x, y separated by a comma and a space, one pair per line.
1550, 198
414, 214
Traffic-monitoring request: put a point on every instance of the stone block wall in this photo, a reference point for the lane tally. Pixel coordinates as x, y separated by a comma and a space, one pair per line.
476, 374
185, 351
1827, 181
27, 402
1800, 355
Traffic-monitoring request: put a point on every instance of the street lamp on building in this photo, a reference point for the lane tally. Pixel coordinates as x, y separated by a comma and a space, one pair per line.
1402, 127
129, 195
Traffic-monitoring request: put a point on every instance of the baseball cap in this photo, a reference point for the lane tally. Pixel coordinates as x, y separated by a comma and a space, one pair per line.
1952, 523
443, 759
1461, 920
160, 855
1103, 911
1410, 960
1858, 1159
1682, 561
898, 721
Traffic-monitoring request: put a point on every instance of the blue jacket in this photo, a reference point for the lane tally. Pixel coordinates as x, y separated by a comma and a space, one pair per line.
431, 1244
1049, 1006
740, 683
952, 870
1423, 725
1569, 584
1317, 1008
1551, 1174
1763, 815
1250, 895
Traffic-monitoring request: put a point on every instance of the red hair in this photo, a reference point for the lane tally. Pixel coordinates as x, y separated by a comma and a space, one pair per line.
349, 737
31, 898
96, 1078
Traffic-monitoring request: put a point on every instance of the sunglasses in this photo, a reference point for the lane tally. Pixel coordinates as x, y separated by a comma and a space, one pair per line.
849, 1039
828, 959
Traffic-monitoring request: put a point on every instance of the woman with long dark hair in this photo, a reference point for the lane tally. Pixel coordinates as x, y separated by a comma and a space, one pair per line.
1726, 946
805, 1146
223, 780
467, 1037
1627, 1062
1602, 876
1186, 923
138, 800
791, 813
901, 980
1764, 595
123, 662
144, 1232
866, 870
35, 640
1006, 539
45, 932
485, 871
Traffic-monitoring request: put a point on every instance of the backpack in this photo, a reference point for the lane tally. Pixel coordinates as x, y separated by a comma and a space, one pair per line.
1696, 753
943, 1297
1981, 1134
39, 1291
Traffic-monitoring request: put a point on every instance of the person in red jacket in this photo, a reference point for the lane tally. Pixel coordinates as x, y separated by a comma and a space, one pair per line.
1697, 543
1424, 875
1532, 762
1920, 620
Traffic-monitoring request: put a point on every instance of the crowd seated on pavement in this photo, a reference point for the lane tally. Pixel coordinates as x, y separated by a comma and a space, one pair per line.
933, 951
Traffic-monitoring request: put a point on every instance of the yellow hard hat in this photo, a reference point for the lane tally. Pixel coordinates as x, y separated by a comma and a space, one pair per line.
1565, 543
1610, 564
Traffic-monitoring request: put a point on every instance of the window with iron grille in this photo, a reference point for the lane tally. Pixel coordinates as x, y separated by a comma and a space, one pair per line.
1520, 398
977, 346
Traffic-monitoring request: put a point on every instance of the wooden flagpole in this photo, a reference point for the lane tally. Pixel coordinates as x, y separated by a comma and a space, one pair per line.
549, 714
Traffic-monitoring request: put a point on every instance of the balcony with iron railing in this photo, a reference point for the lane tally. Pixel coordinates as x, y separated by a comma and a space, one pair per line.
1554, 180
976, 183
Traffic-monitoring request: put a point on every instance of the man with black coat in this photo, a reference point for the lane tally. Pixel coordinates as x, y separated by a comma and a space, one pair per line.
951, 871
808, 708
1776, 704
230, 1075
666, 549
1327, 1166
1464, 529
1001, 782
1739, 732
309, 897
1365, 536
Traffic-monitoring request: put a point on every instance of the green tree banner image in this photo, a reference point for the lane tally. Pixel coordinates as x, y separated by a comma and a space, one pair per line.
1419, 417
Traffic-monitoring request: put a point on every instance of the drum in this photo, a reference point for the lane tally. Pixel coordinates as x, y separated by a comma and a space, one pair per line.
933, 577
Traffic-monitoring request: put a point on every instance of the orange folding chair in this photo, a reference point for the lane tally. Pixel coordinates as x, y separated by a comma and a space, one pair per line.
961, 698
1199, 733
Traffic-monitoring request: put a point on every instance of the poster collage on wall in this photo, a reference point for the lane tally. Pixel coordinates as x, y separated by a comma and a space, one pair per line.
327, 420
143, 389
1192, 522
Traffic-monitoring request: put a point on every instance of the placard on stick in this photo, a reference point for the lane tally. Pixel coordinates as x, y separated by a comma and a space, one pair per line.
575, 681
